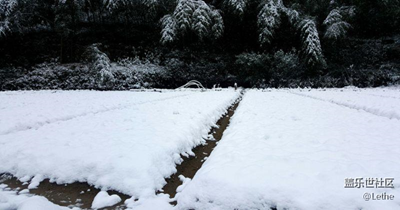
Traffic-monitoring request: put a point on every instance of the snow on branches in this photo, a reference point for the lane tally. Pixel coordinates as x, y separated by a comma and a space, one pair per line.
268, 20
193, 15
6, 8
237, 6
169, 29
336, 27
217, 28
100, 65
114, 4
311, 43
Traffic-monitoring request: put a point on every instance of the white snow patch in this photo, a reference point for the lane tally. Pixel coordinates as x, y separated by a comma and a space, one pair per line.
24, 191
11, 200
291, 152
158, 202
126, 141
36, 181
39, 203
103, 199
384, 102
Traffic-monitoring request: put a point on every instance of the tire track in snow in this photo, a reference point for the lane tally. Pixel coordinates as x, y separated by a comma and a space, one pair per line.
381, 96
37, 125
376, 112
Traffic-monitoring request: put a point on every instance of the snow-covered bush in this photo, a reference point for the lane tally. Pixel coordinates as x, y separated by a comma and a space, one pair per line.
100, 66
253, 68
133, 73
286, 65
269, 69
127, 73
53, 76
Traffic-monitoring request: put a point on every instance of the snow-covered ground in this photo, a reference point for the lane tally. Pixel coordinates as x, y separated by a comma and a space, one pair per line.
11, 200
126, 141
32, 109
379, 101
287, 150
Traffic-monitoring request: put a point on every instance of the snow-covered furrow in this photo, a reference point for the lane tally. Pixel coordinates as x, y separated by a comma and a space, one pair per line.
382, 96
383, 107
41, 109
290, 152
131, 150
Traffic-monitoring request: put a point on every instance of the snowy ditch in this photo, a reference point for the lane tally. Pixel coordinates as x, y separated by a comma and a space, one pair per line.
191, 164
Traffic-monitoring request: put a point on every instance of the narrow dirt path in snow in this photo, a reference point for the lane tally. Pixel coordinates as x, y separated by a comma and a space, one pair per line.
192, 164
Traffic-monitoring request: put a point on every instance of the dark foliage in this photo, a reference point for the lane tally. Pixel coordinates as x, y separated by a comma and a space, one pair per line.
43, 45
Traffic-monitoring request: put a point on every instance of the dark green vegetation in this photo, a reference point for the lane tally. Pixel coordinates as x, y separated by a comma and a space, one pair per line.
124, 44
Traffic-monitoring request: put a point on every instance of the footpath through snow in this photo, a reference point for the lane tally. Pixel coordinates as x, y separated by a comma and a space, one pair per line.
292, 152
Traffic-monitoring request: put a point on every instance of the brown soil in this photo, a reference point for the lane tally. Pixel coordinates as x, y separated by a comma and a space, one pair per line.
76, 194
192, 164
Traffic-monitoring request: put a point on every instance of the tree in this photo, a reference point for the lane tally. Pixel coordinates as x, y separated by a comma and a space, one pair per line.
336, 26
99, 64
169, 29
311, 44
6, 10
268, 20
192, 16
237, 6
377, 17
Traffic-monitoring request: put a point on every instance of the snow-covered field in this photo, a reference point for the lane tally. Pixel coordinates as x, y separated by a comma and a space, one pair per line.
126, 141
284, 148
378, 101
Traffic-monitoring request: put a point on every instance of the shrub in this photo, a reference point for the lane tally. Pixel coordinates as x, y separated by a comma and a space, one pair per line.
100, 66
275, 70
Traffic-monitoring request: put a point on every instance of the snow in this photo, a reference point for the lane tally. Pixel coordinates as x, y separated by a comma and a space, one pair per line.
380, 102
10, 200
35, 181
289, 151
284, 148
103, 199
125, 141
156, 202
26, 110
39, 203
